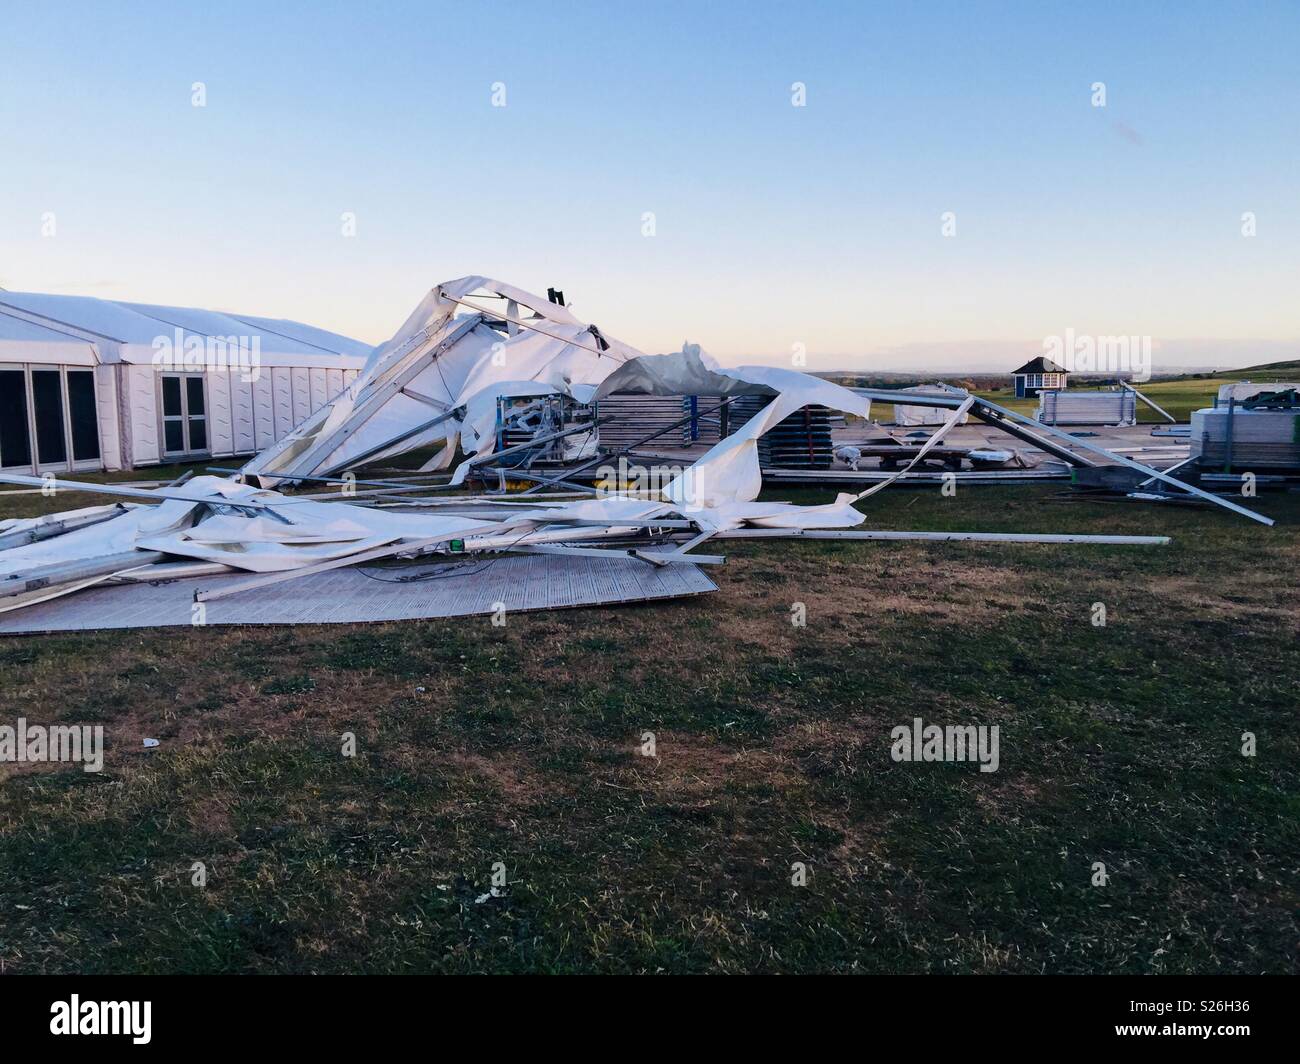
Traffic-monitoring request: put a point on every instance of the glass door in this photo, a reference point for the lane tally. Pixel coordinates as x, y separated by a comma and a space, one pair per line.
47, 404
184, 414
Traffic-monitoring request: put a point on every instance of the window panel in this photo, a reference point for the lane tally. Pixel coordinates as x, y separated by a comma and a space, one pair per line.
15, 438
198, 434
47, 396
173, 436
171, 396
83, 415
194, 396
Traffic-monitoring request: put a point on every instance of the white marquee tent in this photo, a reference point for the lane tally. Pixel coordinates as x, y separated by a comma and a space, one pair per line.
89, 384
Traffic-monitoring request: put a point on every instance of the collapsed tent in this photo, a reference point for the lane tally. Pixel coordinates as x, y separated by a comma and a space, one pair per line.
438, 381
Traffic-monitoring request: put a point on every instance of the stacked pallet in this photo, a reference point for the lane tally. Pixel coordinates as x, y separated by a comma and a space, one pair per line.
1224, 438
1087, 408
633, 417
801, 441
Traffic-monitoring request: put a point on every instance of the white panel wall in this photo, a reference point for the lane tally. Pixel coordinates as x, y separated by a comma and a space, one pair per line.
141, 384
301, 394
244, 417
241, 415
282, 383
110, 429
221, 441
319, 388
263, 410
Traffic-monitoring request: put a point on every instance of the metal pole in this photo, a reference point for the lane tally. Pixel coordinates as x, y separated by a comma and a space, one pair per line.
1162, 412
50, 529
1154, 473
44, 576
941, 537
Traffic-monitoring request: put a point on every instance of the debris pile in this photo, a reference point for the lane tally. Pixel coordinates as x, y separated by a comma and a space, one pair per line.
505, 388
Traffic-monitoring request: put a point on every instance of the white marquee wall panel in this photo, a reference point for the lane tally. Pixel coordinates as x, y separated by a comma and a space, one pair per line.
220, 440
263, 410
241, 415
110, 429
282, 386
319, 388
301, 394
143, 400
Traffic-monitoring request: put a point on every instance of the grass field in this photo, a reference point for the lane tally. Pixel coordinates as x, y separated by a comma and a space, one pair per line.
519, 746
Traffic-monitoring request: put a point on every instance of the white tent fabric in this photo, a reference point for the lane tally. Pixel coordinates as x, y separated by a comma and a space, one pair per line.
442, 360
102, 331
21, 336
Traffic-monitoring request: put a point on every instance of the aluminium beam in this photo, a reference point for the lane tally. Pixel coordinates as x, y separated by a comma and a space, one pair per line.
552, 482
57, 527
259, 509
395, 484
1191, 489
943, 537
987, 412
379, 448
43, 576
1158, 409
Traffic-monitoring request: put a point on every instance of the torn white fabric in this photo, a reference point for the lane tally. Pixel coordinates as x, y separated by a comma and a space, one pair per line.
837, 514
300, 533
729, 471
447, 351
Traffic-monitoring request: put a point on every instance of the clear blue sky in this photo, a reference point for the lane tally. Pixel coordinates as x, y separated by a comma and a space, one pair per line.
775, 224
